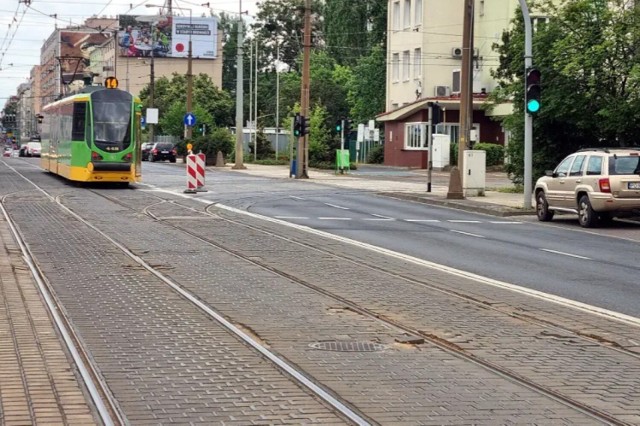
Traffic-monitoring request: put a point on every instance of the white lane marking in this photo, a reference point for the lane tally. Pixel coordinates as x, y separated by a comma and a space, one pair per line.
334, 218
467, 233
336, 206
421, 220
505, 222
379, 219
565, 254
291, 217
463, 221
379, 216
594, 310
296, 198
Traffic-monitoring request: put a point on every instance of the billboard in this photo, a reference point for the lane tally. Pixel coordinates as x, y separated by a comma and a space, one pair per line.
167, 36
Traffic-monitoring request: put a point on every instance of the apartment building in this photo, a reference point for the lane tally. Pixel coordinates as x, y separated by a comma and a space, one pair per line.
424, 61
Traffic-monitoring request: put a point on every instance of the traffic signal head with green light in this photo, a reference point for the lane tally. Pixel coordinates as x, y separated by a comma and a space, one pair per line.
338, 126
297, 125
533, 91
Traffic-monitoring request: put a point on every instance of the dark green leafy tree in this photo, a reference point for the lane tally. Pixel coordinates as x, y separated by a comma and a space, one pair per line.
229, 26
170, 96
588, 58
367, 86
281, 22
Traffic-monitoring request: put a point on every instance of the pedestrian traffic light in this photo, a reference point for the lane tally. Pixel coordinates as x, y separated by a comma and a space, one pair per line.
306, 125
533, 89
338, 126
297, 125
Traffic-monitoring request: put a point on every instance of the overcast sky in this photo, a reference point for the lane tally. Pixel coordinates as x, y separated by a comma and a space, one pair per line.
24, 29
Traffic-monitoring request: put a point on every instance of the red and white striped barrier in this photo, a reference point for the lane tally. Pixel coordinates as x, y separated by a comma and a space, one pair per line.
195, 173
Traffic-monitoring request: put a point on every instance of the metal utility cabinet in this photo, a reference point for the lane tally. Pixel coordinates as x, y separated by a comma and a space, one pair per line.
474, 168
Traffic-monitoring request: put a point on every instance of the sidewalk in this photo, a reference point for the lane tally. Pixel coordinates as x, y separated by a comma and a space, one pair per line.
410, 184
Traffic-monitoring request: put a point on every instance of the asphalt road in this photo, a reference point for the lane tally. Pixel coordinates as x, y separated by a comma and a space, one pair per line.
561, 259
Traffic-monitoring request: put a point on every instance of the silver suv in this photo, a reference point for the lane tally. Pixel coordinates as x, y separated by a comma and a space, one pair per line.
597, 184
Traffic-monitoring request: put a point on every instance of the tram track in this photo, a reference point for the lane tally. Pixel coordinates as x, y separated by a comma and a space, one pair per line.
106, 405
105, 402
442, 343
445, 345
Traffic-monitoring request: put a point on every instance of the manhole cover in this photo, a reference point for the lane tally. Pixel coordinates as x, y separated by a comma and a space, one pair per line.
346, 346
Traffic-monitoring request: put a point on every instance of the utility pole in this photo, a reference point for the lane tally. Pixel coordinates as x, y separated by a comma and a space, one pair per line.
255, 114
277, 95
303, 146
189, 129
466, 98
152, 88
528, 119
239, 164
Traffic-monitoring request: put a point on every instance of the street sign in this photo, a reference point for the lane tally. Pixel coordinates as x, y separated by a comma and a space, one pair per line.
152, 115
189, 119
143, 123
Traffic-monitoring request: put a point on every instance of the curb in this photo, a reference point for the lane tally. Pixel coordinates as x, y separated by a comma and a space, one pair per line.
471, 206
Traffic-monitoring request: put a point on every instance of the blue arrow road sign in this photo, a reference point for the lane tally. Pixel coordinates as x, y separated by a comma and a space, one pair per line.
189, 119
143, 122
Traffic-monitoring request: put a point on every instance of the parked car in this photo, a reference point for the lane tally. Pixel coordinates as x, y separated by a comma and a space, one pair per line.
35, 138
144, 150
161, 151
597, 184
7, 151
30, 149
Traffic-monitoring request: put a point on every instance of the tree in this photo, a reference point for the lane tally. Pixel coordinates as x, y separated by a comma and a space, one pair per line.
367, 86
170, 96
282, 22
229, 27
590, 81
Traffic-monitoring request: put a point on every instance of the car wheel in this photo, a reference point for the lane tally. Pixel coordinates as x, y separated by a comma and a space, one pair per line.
172, 160
542, 208
586, 216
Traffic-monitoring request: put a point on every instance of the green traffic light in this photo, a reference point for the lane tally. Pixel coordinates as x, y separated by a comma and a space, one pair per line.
533, 105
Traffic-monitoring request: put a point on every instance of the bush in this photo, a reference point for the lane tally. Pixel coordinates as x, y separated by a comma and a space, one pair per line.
495, 153
219, 139
376, 156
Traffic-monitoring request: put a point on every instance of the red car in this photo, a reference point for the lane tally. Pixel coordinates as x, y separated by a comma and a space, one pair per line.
7, 151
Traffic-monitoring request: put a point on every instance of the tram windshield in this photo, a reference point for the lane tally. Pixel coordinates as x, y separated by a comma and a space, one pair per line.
111, 119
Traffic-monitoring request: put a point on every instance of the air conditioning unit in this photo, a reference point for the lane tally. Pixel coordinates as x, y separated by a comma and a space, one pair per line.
441, 91
456, 52
476, 52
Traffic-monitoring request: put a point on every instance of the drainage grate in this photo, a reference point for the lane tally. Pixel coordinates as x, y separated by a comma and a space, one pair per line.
346, 346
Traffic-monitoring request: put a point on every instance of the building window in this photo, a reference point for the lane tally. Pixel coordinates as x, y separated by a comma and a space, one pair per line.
415, 136
395, 64
406, 64
417, 63
455, 84
396, 16
407, 13
418, 13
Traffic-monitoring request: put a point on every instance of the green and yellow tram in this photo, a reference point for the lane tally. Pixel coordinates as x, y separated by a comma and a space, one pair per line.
93, 137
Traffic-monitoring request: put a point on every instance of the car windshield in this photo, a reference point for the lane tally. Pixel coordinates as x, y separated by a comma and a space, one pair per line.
164, 146
624, 165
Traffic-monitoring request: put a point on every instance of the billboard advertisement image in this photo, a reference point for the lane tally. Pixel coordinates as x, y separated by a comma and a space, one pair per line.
167, 36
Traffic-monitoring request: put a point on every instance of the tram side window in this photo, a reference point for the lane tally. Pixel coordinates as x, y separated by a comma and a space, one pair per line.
79, 121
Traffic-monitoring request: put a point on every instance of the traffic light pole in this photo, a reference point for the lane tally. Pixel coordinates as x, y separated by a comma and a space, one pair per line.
528, 119
303, 145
